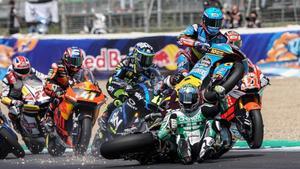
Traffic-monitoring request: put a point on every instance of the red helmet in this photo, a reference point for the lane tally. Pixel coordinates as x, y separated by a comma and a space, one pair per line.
73, 58
21, 66
234, 38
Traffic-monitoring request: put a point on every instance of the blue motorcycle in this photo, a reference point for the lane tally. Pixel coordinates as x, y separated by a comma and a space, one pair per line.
9, 140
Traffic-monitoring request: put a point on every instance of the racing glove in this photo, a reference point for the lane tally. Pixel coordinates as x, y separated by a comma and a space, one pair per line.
203, 47
173, 122
17, 103
220, 90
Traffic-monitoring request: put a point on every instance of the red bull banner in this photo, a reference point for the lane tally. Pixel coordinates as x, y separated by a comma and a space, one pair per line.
276, 53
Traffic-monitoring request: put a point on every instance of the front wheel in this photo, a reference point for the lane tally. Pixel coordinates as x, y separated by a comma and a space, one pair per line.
256, 138
12, 141
84, 136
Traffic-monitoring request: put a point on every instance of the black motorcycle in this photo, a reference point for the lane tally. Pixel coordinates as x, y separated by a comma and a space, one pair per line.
9, 140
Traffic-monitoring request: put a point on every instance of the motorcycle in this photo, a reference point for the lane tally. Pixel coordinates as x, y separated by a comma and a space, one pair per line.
129, 117
244, 108
75, 116
35, 105
9, 140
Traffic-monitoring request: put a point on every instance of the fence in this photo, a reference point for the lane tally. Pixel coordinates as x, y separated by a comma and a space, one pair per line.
154, 15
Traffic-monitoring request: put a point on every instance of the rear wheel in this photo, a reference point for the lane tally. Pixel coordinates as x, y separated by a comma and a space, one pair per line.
132, 143
12, 141
35, 148
54, 147
84, 136
257, 135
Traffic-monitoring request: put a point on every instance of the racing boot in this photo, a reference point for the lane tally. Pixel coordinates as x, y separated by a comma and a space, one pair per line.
184, 151
207, 149
47, 122
102, 122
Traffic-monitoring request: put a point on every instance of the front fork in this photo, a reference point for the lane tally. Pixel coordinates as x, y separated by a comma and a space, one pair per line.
75, 129
244, 122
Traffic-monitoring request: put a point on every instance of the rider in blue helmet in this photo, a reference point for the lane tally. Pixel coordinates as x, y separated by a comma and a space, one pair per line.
136, 67
198, 38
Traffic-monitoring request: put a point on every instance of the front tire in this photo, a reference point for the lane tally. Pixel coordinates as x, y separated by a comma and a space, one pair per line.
84, 136
256, 139
12, 141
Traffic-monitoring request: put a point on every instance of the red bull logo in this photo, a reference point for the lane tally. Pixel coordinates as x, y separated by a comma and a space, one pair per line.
108, 59
167, 57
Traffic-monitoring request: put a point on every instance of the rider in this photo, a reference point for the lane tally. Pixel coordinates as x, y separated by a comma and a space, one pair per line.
12, 85
188, 123
137, 67
197, 38
61, 76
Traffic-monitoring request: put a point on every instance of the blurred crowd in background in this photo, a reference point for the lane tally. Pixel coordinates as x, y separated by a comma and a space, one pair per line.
103, 16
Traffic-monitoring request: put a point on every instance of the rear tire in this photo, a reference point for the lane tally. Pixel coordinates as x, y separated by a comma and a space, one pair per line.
54, 147
255, 141
35, 148
84, 136
127, 144
12, 141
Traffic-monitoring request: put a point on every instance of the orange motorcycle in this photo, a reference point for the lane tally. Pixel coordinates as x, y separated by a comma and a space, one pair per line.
75, 116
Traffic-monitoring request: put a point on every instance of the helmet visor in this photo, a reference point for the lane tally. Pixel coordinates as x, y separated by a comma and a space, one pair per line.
22, 71
75, 61
213, 22
188, 98
146, 60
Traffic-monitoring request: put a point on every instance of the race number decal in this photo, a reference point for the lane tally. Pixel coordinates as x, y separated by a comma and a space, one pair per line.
88, 95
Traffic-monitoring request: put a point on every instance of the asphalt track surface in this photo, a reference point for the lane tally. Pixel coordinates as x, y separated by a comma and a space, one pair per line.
288, 158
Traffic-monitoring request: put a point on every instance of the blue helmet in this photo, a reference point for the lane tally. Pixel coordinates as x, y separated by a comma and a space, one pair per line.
212, 19
143, 53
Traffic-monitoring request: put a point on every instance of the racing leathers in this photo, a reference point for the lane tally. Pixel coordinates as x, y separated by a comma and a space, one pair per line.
12, 94
58, 80
189, 128
197, 42
126, 75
